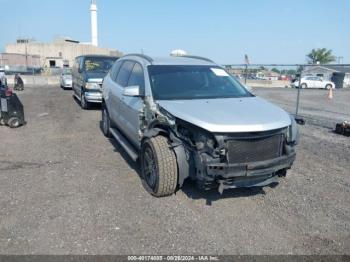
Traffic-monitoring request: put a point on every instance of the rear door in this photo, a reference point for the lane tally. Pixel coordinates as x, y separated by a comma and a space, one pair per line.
116, 92
309, 82
131, 106
109, 84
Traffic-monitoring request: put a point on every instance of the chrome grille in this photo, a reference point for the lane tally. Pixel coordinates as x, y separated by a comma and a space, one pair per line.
254, 149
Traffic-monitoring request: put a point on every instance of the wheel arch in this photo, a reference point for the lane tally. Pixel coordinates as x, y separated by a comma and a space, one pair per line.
183, 164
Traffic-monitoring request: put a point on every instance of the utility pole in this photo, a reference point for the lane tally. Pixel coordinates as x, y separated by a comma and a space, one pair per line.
26, 53
246, 60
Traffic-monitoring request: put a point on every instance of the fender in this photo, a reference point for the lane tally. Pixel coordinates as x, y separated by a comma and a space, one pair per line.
183, 163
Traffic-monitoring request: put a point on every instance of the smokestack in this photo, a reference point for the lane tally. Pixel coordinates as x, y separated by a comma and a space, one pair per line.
94, 34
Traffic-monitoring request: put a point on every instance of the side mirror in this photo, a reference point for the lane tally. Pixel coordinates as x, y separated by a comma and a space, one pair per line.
132, 91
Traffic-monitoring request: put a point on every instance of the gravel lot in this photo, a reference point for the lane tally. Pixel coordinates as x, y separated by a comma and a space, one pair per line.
314, 105
66, 189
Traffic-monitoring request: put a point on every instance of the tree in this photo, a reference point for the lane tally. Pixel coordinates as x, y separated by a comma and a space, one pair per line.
320, 55
276, 70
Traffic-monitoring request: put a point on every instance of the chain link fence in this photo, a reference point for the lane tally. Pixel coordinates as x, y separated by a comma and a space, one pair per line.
318, 94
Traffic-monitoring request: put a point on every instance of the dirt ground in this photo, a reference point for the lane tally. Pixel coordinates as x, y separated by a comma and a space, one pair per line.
66, 189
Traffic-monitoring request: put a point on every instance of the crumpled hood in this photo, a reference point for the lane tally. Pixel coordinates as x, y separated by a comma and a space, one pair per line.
248, 114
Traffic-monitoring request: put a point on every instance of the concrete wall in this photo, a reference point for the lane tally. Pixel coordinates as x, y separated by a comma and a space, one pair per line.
267, 83
58, 51
35, 80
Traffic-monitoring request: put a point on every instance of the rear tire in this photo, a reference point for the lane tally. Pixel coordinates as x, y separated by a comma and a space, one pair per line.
303, 86
329, 87
106, 122
159, 166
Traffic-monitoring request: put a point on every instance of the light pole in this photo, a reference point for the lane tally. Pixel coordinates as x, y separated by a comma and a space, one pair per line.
26, 54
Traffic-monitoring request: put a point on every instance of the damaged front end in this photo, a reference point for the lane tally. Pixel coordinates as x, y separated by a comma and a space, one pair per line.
237, 159
225, 160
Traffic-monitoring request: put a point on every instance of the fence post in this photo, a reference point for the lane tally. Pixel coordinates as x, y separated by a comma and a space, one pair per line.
298, 98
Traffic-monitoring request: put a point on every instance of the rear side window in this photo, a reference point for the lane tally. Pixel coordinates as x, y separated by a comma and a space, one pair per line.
137, 77
76, 64
115, 70
124, 73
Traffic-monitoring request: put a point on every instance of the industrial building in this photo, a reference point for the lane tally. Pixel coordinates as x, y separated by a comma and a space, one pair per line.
20, 63
59, 53
29, 54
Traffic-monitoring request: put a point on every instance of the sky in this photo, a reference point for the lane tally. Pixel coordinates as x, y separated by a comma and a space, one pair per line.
268, 31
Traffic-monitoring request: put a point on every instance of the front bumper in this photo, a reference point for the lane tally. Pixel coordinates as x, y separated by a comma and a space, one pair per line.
93, 97
224, 170
256, 174
67, 84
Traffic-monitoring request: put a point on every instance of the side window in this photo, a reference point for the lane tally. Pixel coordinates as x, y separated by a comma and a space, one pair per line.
115, 70
124, 73
76, 64
137, 77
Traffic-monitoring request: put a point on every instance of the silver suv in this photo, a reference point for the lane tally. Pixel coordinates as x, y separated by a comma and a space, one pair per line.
186, 117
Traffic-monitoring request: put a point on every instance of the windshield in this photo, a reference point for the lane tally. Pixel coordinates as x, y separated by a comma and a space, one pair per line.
98, 64
193, 82
67, 71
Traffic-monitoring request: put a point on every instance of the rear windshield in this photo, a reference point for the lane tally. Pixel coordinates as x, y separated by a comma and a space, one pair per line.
98, 64
182, 82
67, 71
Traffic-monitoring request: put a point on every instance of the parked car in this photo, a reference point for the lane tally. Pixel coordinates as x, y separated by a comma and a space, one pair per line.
313, 82
88, 73
186, 117
66, 81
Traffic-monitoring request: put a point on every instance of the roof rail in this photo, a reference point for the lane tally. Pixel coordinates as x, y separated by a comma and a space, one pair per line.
149, 59
197, 57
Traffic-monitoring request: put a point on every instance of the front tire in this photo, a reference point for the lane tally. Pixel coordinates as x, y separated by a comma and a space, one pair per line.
329, 87
303, 86
159, 166
83, 103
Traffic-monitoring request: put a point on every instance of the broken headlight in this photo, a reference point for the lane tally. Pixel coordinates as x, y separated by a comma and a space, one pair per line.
199, 138
203, 140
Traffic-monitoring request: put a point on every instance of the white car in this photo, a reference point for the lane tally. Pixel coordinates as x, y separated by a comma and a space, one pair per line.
66, 79
313, 82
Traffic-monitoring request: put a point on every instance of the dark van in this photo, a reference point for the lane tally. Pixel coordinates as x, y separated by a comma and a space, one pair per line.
88, 73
